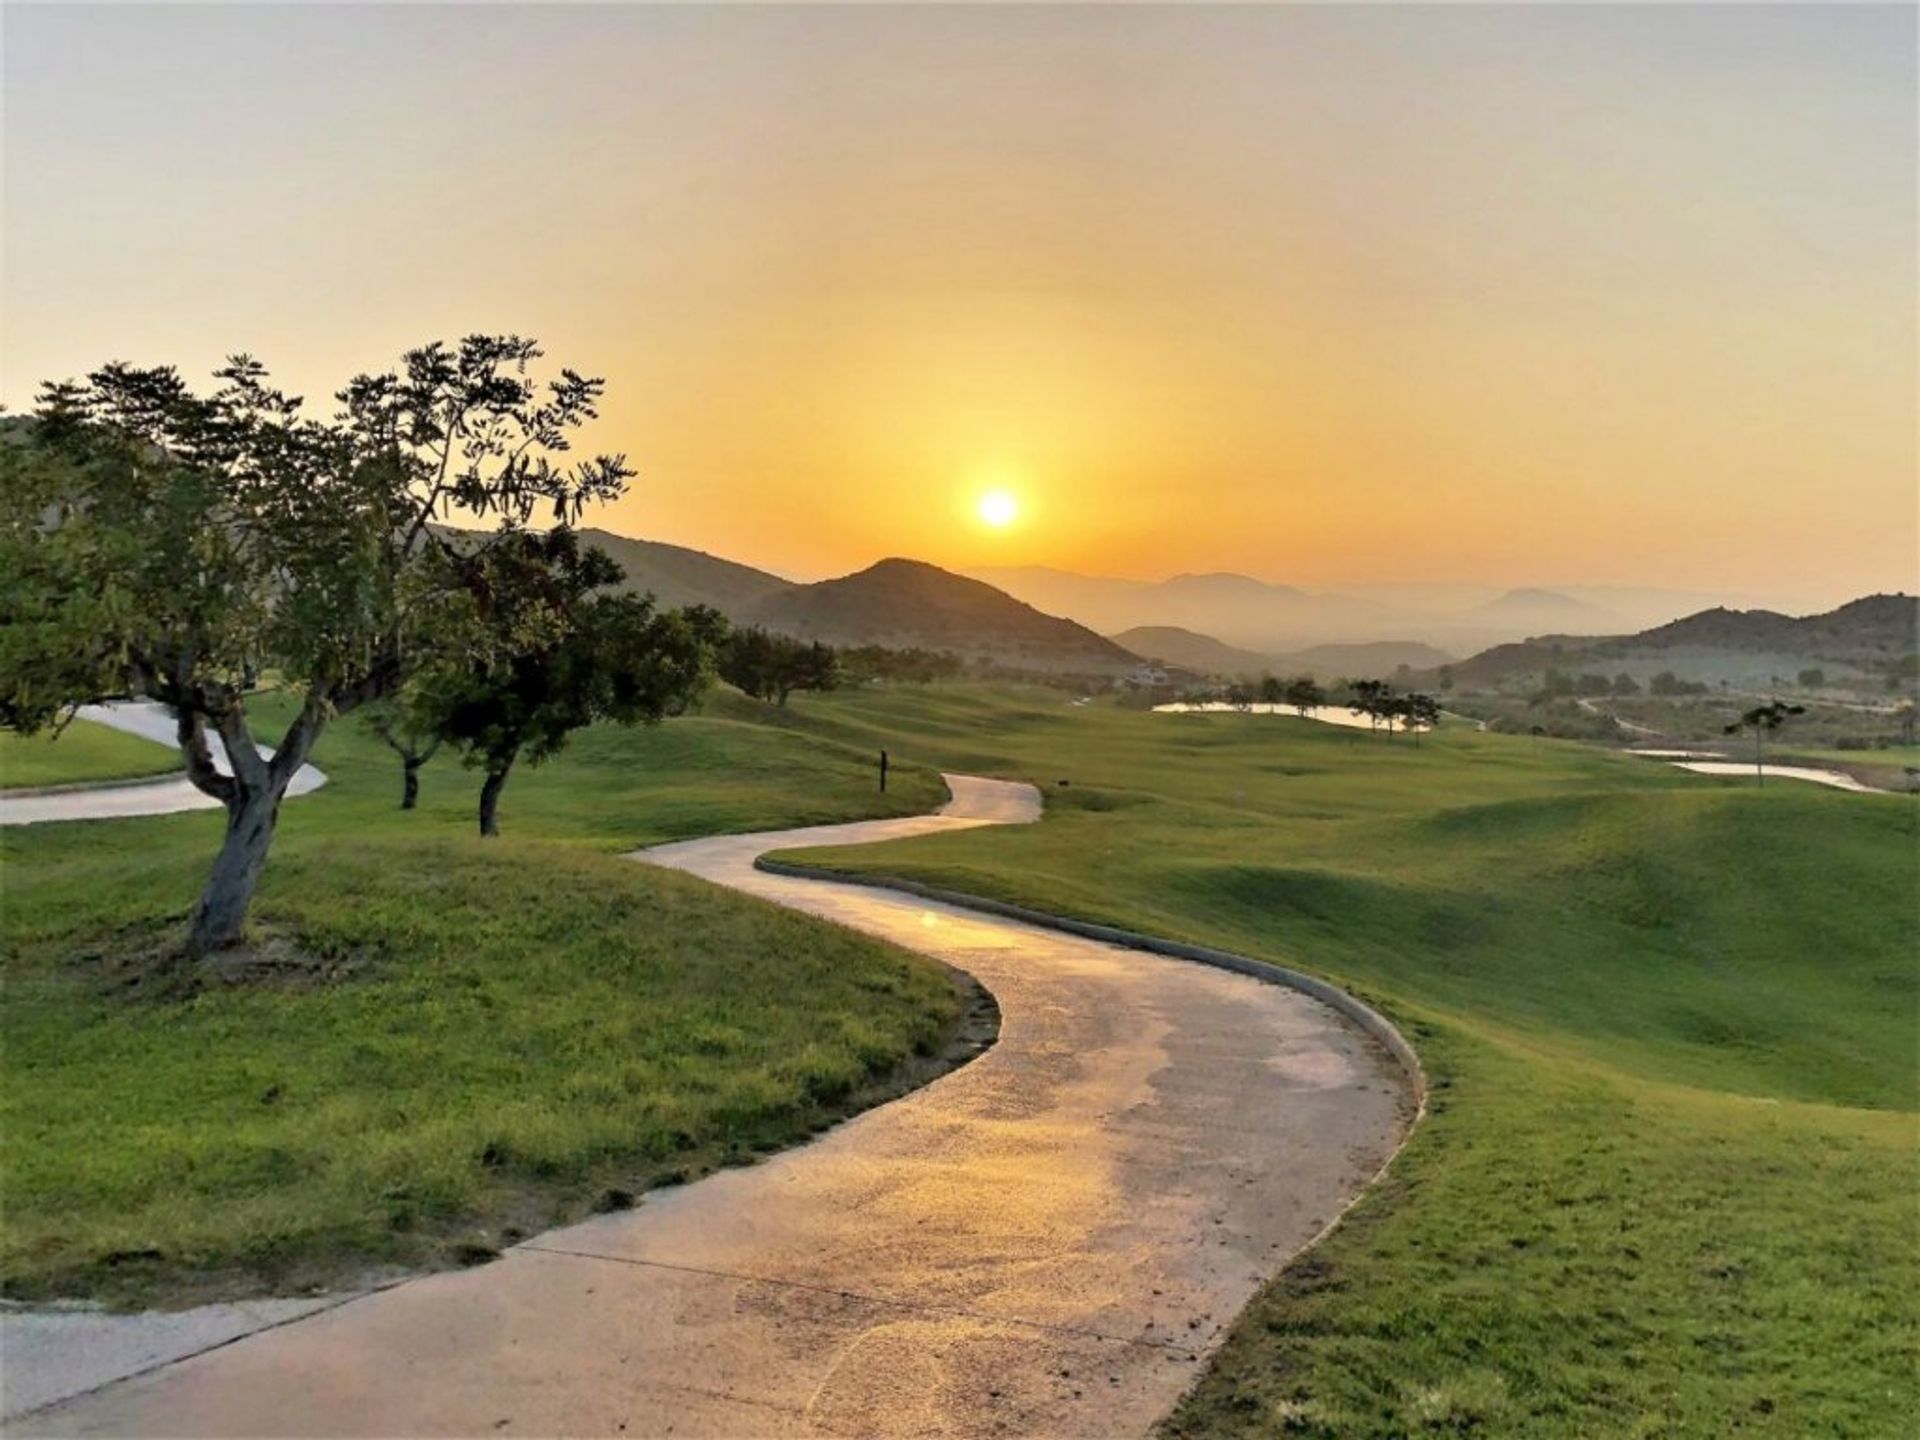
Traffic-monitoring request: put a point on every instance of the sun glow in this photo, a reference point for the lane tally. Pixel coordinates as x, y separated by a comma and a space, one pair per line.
999, 509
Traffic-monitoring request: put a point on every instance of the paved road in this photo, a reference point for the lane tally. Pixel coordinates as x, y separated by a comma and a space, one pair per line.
1044, 1242
164, 796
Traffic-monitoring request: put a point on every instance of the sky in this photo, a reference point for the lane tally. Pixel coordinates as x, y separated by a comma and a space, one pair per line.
1327, 295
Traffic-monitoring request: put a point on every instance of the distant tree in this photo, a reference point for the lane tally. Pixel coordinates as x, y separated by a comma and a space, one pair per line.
1668, 683
1419, 712
771, 667
561, 652
1763, 720
913, 665
1590, 684
1304, 694
1555, 683
1373, 699
1907, 715
1446, 678
1813, 678
1625, 684
173, 545
400, 723
1272, 691
1240, 696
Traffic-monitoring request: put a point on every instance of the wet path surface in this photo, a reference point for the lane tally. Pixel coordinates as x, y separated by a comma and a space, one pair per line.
163, 795
1044, 1242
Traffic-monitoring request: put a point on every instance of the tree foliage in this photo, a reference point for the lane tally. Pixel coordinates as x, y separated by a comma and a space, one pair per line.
557, 650
768, 666
1305, 694
159, 542
1763, 720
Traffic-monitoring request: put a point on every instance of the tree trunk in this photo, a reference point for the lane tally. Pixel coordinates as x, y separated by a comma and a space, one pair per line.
490, 799
410, 793
220, 919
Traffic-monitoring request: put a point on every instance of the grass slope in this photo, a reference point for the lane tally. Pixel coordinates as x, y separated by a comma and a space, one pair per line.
81, 753
1667, 1183
523, 1027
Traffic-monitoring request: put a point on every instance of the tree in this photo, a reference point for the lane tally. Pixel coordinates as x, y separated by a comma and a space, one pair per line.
1240, 696
173, 545
1272, 692
401, 723
1419, 712
560, 652
1763, 720
1304, 694
1373, 699
1625, 684
1812, 679
771, 667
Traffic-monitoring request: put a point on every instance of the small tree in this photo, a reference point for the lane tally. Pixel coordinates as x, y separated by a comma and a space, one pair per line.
166, 544
1240, 696
1813, 678
400, 723
1624, 684
1419, 712
1373, 699
1763, 720
1272, 692
561, 652
1304, 694
771, 667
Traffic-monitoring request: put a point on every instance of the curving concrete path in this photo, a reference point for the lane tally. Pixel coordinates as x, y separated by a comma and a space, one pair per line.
1046, 1241
162, 795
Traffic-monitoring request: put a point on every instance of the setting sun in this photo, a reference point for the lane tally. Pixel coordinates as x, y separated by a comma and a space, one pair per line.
998, 509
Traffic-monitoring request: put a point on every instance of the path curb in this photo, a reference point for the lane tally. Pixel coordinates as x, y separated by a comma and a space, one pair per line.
1371, 1021
81, 787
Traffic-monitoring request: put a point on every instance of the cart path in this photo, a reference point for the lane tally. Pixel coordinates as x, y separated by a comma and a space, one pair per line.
162, 795
1046, 1241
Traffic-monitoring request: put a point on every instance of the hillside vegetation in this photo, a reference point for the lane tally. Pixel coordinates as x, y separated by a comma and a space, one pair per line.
1666, 1184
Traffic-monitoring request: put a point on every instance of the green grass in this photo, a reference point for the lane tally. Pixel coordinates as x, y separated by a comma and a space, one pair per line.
1667, 1185
83, 752
528, 1025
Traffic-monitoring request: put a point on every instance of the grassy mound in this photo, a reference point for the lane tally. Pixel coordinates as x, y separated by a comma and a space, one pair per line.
1666, 1186
83, 753
514, 1032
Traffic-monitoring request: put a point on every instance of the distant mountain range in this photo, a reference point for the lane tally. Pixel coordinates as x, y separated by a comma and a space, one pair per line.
1269, 619
1872, 636
1056, 621
1204, 655
900, 603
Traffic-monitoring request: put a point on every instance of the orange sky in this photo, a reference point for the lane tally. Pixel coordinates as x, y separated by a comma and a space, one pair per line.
1327, 295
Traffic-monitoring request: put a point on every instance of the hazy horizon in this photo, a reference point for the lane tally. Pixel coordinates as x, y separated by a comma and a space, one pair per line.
1333, 297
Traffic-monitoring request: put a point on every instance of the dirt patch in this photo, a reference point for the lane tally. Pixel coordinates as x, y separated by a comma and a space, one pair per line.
152, 965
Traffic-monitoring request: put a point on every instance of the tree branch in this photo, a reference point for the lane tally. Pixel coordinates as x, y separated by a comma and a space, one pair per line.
201, 770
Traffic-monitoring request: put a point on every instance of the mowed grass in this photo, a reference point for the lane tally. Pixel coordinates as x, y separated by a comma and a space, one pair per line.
519, 1030
83, 752
1668, 1181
